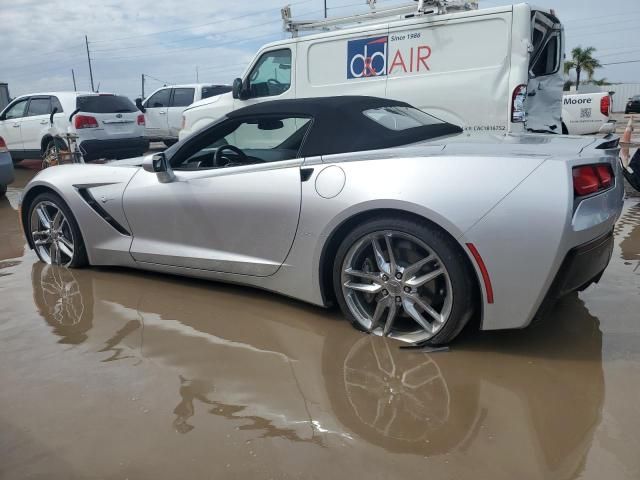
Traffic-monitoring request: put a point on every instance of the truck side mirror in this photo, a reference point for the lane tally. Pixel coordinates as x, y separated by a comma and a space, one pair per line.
139, 105
240, 90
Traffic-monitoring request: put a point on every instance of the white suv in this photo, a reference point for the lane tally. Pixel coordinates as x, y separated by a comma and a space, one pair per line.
108, 125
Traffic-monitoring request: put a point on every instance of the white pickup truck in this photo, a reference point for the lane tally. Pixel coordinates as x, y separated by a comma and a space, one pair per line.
163, 108
587, 113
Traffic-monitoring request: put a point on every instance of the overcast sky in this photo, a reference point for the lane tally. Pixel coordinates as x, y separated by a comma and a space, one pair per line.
42, 40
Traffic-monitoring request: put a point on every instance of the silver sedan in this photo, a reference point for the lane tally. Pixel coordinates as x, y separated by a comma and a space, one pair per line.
412, 227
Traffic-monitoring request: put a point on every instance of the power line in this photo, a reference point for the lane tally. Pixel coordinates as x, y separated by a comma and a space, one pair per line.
620, 63
252, 14
172, 50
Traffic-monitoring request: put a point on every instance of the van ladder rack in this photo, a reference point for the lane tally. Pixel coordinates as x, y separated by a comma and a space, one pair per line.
424, 7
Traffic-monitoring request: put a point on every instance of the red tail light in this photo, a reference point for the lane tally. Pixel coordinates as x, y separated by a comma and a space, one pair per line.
517, 104
141, 120
605, 105
605, 175
84, 121
590, 179
3, 146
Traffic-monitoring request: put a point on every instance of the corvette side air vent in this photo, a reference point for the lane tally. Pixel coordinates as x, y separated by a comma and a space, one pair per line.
86, 195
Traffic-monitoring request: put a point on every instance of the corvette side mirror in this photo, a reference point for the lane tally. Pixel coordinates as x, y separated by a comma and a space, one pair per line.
157, 163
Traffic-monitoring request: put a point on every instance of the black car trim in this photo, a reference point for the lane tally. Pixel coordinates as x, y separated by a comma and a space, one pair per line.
582, 266
93, 203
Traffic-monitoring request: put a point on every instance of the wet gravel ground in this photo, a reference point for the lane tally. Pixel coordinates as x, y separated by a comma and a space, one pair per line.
112, 373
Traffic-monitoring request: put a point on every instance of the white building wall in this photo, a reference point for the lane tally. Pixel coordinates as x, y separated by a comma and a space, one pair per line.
622, 93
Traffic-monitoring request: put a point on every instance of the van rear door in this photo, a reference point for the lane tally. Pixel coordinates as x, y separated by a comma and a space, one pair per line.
544, 99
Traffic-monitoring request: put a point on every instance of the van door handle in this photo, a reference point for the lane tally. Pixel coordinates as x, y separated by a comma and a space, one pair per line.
162, 112
16, 125
43, 122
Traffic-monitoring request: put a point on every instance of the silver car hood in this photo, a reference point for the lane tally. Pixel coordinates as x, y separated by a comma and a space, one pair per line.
127, 162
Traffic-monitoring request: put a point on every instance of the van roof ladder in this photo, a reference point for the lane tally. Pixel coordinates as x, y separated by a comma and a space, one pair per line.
418, 7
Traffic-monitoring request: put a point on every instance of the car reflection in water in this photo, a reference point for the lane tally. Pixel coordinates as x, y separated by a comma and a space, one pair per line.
290, 371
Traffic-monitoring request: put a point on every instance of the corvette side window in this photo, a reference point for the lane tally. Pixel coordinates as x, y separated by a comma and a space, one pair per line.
244, 142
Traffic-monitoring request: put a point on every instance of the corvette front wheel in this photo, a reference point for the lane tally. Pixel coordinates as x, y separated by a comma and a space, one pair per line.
404, 279
54, 232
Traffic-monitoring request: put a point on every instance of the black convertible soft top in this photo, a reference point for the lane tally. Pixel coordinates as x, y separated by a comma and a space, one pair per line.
339, 126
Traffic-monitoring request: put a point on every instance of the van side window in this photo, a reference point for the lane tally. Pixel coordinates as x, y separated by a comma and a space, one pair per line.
271, 75
548, 60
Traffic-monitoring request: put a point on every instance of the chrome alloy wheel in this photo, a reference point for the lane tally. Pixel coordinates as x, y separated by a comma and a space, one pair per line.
51, 234
396, 286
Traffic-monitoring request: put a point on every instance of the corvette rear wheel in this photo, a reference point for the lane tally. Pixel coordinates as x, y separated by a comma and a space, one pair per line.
404, 279
54, 232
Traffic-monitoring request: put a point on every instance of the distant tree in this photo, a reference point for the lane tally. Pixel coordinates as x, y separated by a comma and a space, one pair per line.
567, 85
601, 82
582, 60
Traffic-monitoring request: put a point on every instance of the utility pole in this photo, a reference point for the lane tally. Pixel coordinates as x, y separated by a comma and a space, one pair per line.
143, 86
86, 41
73, 75
325, 8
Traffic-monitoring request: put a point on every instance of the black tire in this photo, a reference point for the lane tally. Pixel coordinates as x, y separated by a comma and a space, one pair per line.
79, 258
564, 129
169, 143
460, 272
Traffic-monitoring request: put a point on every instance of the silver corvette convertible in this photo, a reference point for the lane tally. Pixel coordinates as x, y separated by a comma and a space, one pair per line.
409, 225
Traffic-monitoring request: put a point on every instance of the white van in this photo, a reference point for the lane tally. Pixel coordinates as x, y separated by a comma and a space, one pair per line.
488, 70
163, 108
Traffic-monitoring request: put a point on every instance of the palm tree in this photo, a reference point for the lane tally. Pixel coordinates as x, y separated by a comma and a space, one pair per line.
582, 59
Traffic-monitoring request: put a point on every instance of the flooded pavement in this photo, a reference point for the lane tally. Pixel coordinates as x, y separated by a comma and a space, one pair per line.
111, 373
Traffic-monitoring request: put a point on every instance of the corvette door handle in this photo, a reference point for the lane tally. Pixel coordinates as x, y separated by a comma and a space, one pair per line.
305, 174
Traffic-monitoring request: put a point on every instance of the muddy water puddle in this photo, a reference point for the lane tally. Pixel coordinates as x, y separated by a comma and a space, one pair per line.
110, 373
